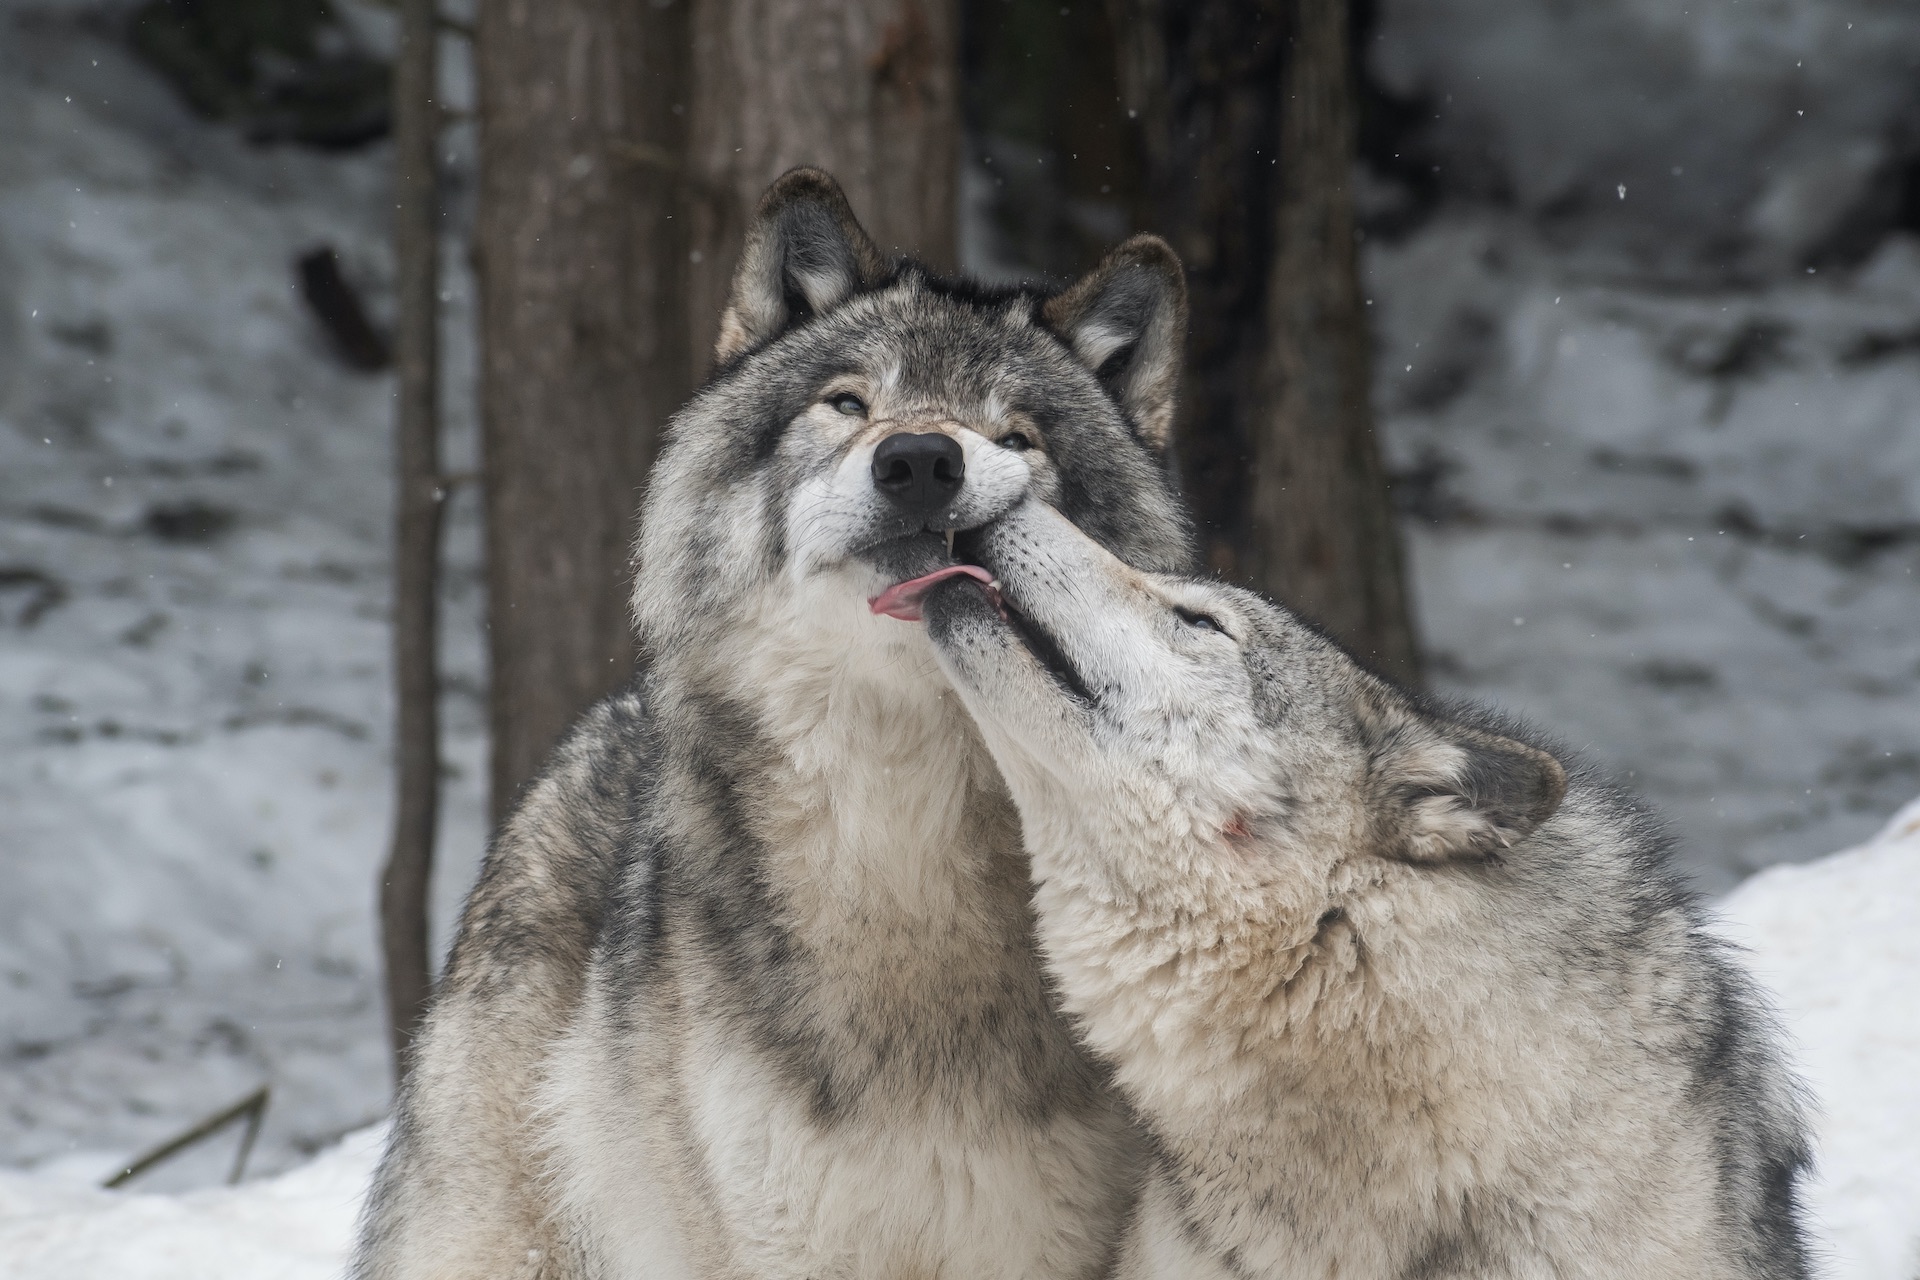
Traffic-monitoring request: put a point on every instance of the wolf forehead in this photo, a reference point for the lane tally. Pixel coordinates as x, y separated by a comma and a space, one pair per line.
921, 343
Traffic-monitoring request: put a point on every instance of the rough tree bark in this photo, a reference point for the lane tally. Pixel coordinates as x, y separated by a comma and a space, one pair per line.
865, 89
417, 506
1202, 78
1247, 113
605, 240
584, 353
1323, 537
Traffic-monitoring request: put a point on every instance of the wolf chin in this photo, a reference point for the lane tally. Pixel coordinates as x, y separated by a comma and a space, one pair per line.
747, 987
1393, 992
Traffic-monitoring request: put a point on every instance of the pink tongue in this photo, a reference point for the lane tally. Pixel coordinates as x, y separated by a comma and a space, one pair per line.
902, 599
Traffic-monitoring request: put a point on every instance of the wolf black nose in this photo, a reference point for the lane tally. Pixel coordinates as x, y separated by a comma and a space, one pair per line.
920, 472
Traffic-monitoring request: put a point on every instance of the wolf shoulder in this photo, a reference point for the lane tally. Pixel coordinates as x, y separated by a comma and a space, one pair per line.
1630, 929
1616, 1008
550, 871
462, 1190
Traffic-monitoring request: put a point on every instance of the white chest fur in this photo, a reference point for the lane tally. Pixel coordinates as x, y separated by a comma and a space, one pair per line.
895, 1193
889, 854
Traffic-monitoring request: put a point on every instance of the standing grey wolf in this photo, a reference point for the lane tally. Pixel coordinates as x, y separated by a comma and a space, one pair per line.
1394, 994
747, 987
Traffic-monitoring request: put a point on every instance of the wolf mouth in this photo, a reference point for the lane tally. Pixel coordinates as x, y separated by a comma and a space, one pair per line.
906, 600
903, 600
922, 561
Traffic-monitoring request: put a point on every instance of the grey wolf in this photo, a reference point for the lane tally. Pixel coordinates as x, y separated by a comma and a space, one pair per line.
1395, 993
747, 987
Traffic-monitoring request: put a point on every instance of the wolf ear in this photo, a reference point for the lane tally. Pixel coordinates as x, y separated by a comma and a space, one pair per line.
1442, 791
805, 254
1127, 321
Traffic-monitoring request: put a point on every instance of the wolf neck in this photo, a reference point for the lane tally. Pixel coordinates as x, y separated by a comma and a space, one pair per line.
875, 805
866, 902
881, 800
1183, 961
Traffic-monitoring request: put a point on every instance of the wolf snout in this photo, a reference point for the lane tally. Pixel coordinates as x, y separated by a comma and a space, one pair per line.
920, 472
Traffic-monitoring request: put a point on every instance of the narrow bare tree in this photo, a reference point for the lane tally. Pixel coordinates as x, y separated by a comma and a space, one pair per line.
417, 507
865, 89
584, 352
1247, 127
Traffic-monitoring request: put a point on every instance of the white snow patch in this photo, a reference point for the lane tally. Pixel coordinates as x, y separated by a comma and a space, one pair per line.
1838, 943
298, 1226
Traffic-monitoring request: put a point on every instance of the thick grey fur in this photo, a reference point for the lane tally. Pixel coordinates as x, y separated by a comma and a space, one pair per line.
747, 986
1398, 994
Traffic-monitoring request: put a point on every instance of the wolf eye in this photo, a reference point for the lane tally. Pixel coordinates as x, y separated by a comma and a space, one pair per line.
848, 403
1018, 441
1200, 621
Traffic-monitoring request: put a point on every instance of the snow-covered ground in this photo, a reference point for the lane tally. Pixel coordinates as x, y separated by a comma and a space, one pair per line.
1696, 138
1834, 940
1681, 529
193, 642
1662, 447
297, 1226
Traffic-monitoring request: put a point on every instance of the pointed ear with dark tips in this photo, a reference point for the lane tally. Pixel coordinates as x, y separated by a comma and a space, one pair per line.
1444, 791
1127, 321
805, 254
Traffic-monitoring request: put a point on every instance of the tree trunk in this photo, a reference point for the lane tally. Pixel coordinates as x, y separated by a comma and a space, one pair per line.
584, 354
1202, 76
1247, 111
1323, 537
865, 89
418, 502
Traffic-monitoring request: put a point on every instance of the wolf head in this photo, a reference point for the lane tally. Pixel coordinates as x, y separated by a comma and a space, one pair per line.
1183, 719
865, 414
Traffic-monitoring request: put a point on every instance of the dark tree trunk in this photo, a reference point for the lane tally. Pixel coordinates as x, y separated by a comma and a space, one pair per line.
1247, 118
1203, 78
1323, 537
418, 501
865, 89
1049, 132
584, 353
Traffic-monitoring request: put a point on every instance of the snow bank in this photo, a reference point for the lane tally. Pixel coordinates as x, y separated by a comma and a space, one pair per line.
1838, 942
1835, 941
297, 1226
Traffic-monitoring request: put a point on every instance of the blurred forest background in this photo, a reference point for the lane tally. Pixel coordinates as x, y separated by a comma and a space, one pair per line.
1561, 355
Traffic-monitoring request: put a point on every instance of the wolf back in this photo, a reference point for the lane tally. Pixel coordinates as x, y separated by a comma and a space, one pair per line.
747, 986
